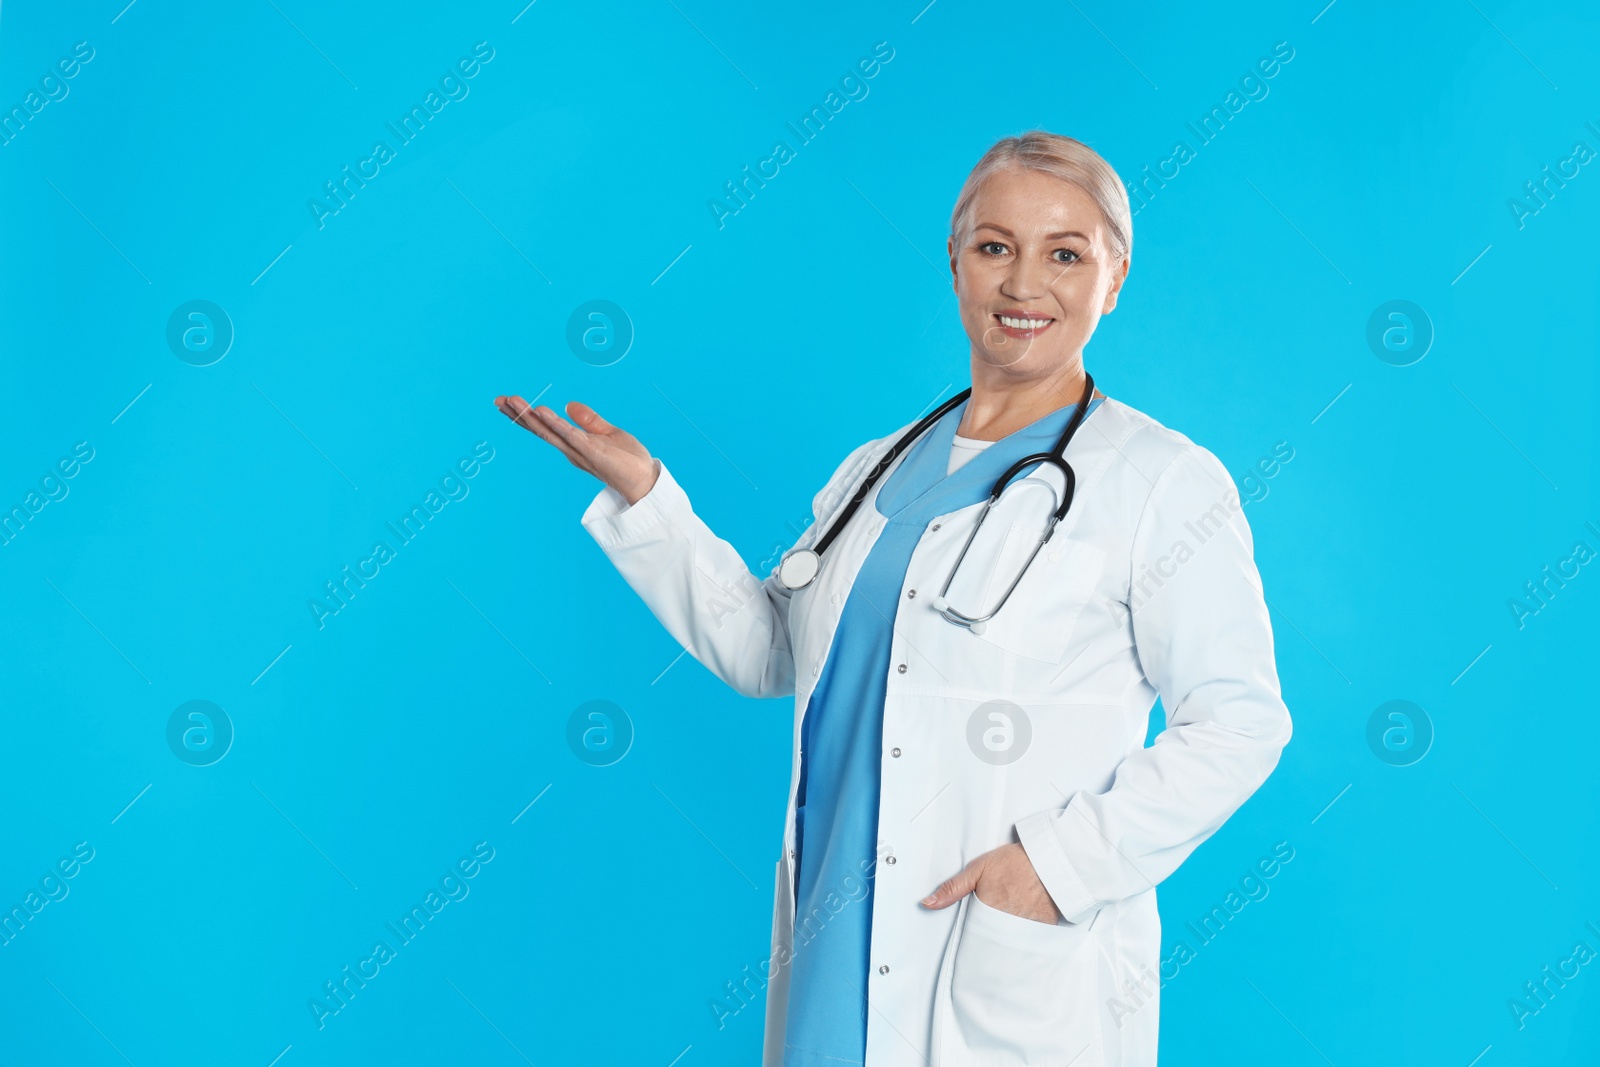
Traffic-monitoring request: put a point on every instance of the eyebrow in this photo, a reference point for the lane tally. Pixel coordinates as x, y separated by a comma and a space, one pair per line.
1047, 237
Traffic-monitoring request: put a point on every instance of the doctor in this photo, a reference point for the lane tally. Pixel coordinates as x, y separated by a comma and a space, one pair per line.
975, 827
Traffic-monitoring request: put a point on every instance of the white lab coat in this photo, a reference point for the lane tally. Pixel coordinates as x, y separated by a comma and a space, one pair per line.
1147, 587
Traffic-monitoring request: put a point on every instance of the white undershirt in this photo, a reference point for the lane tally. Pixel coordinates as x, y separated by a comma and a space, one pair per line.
963, 449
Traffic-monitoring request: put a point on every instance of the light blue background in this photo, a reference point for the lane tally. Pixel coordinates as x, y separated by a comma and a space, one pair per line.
431, 710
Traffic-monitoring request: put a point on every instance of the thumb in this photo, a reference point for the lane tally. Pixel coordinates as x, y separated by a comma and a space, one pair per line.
586, 416
953, 889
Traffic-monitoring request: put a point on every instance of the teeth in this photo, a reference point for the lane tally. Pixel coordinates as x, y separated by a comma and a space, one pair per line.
1023, 324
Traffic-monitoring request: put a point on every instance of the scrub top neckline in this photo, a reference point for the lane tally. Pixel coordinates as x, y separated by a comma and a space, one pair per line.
984, 442
1042, 432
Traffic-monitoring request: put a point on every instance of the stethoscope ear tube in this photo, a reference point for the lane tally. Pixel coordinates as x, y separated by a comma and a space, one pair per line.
1041, 457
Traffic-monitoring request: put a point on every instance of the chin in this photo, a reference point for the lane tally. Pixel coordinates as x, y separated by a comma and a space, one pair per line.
1018, 355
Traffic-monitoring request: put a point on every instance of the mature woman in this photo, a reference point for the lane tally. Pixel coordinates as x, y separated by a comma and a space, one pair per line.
976, 827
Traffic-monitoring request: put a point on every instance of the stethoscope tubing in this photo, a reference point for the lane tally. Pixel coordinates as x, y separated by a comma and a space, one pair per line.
1055, 457
883, 464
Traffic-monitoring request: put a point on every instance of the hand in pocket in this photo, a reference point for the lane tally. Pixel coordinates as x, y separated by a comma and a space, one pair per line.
1004, 879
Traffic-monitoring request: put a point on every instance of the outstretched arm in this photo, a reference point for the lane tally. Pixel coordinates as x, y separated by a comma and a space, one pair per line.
694, 582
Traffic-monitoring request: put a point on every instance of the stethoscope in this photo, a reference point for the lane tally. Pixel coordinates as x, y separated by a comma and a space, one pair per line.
799, 567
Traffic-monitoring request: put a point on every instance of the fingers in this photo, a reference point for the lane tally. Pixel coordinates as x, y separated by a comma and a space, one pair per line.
540, 420
547, 426
953, 889
520, 412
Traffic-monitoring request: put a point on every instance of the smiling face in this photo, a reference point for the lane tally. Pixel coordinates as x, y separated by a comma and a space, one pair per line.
1033, 273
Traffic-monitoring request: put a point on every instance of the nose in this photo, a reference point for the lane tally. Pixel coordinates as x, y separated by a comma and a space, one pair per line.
1025, 280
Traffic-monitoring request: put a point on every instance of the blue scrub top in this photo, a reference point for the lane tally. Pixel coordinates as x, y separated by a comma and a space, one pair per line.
841, 743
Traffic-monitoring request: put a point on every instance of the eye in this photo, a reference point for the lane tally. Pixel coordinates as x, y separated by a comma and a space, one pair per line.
992, 248
1069, 252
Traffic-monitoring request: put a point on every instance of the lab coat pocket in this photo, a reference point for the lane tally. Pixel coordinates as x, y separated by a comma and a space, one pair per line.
1015, 991
1038, 619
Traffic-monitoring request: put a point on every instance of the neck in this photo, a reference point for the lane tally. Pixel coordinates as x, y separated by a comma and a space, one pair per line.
1002, 404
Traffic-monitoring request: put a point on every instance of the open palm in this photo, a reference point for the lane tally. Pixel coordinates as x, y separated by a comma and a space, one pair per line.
589, 442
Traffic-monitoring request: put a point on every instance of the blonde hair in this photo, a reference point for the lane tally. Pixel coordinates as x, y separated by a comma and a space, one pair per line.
1061, 157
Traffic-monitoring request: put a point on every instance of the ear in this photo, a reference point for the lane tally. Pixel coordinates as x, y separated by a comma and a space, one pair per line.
950, 249
1119, 274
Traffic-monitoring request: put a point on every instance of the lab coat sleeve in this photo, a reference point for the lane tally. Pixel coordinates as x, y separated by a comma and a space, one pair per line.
699, 588
1204, 640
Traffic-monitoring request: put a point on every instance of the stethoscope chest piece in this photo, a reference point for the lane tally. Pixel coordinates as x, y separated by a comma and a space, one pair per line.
797, 569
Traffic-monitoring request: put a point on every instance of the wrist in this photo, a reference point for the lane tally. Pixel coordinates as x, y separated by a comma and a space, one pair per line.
634, 494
